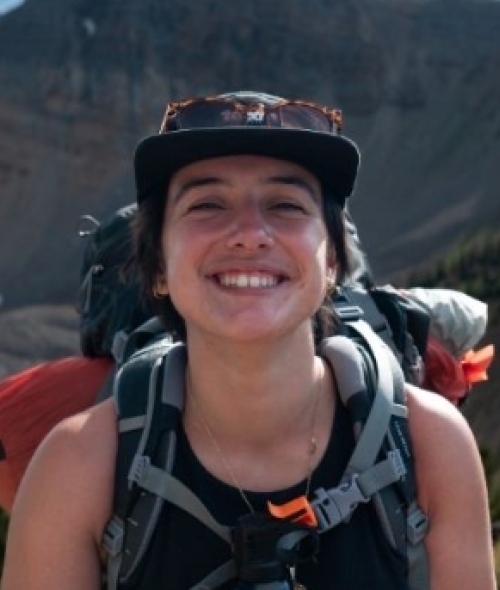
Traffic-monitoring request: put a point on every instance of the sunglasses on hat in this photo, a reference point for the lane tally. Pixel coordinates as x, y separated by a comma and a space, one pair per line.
220, 111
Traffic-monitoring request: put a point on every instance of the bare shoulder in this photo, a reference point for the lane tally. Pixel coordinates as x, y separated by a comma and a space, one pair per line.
78, 457
83, 435
451, 489
434, 419
63, 505
443, 442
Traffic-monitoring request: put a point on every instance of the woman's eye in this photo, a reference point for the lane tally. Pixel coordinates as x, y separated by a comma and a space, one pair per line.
205, 206
289, 206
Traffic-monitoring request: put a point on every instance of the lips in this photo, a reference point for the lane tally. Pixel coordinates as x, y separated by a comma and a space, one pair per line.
244, 280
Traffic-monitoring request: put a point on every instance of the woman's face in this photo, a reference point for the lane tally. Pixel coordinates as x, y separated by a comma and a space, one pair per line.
245, 247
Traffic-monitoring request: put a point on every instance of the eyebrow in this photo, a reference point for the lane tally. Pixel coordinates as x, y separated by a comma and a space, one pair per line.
195, 183
293, 180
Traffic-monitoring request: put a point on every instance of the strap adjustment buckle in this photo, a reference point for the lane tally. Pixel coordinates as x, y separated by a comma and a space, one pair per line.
417, 525
349, 313
337, 504
112, 540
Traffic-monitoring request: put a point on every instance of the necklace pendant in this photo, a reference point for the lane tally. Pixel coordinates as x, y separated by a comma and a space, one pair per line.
313, 446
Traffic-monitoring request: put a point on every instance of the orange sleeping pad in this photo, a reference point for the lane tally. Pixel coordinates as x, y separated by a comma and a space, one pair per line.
36, 399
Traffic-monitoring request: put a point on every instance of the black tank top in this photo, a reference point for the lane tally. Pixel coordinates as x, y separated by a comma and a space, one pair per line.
352, 556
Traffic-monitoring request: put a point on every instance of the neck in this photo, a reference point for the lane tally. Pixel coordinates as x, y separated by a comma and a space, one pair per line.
250, 395
260, 419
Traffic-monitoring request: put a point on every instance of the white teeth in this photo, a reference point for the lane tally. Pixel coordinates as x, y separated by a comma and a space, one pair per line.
241, 280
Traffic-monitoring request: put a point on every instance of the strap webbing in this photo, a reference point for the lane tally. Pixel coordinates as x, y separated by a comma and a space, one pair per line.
362, 300
218, 577
166, 486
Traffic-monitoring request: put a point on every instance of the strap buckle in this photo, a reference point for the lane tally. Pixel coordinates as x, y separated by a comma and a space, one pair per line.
417, 525
349, 313
112, 539
337, 504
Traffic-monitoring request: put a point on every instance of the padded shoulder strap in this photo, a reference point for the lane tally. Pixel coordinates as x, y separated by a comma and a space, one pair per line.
371, 385
126, 344
368, 471
147, 426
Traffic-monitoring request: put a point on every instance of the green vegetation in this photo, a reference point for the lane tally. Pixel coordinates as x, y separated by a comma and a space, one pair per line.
472, 266
491, 469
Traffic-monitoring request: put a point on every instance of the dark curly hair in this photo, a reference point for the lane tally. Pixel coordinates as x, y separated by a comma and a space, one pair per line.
147, 232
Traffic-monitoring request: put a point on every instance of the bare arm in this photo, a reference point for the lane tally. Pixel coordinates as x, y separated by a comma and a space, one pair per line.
452, 491
62, 507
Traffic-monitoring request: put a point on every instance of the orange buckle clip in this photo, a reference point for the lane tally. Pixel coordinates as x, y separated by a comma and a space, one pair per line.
298, 510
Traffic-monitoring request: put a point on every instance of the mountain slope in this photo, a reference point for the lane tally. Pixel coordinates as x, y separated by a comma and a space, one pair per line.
82, 81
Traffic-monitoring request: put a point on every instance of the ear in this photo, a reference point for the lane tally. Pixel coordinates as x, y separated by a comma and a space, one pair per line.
160, 288
331, 259
331, 270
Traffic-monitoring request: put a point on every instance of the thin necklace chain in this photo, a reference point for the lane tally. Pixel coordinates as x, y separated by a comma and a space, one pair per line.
312, 448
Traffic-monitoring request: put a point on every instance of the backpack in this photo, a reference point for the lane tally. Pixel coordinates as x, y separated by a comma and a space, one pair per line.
403, 322
109, 296
432, 333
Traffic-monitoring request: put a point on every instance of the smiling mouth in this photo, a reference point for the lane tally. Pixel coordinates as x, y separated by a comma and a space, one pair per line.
242, 280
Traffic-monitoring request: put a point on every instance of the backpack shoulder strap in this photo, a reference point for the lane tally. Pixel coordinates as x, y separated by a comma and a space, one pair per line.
371, 386
125, 344
353, 302
147, 427
402, 324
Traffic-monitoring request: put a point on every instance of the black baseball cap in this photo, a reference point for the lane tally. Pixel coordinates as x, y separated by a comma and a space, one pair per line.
248, 123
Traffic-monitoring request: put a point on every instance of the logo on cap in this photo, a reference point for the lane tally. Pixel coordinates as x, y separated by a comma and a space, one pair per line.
255, 117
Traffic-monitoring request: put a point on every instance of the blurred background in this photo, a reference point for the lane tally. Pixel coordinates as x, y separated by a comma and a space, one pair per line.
81, 81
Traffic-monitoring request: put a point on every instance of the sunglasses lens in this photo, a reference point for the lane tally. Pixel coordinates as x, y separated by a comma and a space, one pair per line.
222, 113
209, 114
299, 116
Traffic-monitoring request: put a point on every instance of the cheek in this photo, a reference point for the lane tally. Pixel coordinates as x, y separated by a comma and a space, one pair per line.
170, 257
181, 254
326, 262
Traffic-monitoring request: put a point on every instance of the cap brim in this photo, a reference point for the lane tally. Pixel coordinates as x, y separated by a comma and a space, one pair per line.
334, 159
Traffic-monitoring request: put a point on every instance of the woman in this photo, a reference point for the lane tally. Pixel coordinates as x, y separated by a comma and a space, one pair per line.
240, 238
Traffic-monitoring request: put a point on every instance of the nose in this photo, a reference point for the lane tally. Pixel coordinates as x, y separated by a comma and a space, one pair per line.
249, 230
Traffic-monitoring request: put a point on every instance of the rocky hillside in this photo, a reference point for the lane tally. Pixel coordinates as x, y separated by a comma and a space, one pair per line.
81, 81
